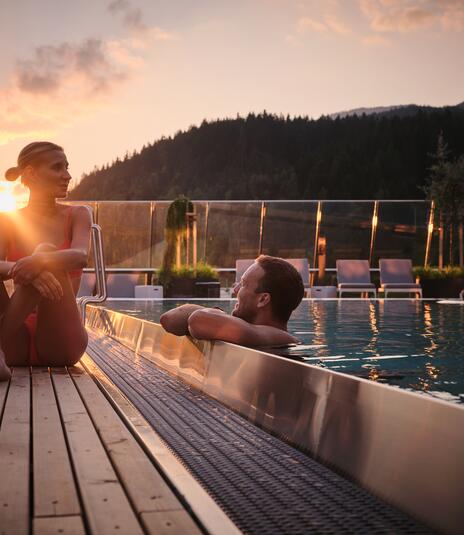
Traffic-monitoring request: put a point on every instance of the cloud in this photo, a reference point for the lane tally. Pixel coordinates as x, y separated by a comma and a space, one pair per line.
375, 40
131, 16
58, 83
61, 82
404, 16
329, 20
50, 68
306, 23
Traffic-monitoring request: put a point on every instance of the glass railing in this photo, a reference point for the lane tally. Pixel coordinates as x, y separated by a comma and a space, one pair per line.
227, 230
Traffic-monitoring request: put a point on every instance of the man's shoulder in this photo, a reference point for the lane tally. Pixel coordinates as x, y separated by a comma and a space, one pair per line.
274, 336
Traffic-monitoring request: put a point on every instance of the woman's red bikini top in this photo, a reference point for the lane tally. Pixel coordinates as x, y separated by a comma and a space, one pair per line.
14, 253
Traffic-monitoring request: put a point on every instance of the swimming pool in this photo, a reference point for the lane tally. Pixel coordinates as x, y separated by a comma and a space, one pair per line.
411, 344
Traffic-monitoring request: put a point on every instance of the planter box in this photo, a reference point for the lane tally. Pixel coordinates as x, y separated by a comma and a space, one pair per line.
439, 288
184, 287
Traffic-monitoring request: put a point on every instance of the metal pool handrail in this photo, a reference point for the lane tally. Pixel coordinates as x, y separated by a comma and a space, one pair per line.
100, 275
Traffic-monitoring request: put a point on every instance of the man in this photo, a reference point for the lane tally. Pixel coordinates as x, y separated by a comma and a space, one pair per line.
267, 294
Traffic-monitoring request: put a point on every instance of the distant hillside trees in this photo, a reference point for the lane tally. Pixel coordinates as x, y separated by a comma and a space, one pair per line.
273, 157
445, 186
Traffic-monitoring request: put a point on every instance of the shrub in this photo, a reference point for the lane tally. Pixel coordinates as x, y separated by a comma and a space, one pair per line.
448, 272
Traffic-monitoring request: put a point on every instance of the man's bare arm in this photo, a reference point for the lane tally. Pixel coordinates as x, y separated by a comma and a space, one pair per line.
175, 321
211, 324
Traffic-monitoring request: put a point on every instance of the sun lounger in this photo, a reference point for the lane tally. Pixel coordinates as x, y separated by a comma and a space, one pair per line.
87, 286
396, 277
302, 266
353, 276
241, 266
123, 284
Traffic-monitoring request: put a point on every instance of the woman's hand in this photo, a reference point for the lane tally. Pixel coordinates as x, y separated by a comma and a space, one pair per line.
27, 269
48, 286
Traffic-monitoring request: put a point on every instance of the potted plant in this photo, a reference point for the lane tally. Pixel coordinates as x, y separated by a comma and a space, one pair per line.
177, 275
182, 281
439, 283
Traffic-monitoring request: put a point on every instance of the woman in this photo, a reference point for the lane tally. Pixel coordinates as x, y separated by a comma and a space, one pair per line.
43, 248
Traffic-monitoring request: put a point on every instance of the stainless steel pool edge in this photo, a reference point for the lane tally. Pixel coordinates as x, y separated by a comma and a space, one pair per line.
209, 514
405, 447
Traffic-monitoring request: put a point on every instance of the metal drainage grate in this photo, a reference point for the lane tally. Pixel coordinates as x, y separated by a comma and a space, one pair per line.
262, 483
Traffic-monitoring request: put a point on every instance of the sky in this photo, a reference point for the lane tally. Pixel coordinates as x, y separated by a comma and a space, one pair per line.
102, 77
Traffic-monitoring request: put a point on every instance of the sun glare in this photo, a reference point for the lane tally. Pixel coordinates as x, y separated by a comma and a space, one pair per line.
12, 196
7, 201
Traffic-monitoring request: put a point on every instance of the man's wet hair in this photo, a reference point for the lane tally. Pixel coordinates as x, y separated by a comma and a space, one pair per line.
284, 284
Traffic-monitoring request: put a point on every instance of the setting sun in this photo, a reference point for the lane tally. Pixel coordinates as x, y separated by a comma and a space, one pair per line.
7, 201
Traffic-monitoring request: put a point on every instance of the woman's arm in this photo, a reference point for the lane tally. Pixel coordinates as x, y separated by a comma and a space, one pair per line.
29, 267
5, 267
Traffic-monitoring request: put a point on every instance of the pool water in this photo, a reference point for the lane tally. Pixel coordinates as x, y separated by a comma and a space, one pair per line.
411, 344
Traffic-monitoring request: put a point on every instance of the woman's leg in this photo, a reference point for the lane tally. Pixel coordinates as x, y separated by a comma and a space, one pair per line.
61, 337
5, 373
14, 335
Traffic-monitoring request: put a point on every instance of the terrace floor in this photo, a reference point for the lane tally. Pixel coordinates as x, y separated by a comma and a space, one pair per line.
69, 464
76, 457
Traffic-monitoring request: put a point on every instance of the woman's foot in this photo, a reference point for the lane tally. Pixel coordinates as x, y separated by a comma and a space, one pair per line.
5, 372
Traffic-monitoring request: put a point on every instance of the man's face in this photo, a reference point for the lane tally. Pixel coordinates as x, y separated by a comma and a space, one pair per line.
246, 307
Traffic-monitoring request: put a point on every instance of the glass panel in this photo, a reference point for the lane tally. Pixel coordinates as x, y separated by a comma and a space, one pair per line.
200, 209
126, 233
347, 229
232, 232
402, 231
93, 207
157, 240
289, 230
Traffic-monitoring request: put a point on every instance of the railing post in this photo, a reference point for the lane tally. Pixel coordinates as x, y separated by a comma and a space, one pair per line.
429, 234
206, 231
261, 227
316, 239
374, 230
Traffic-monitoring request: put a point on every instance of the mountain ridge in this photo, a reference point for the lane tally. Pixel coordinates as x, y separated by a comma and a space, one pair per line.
398, 109
260, 156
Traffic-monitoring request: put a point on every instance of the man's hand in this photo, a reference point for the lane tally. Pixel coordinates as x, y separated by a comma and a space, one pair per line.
48, 286
27, 269
176, 321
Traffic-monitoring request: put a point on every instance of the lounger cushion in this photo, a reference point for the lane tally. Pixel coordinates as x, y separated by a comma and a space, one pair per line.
399, 285
395, 271
345, 285
353, 272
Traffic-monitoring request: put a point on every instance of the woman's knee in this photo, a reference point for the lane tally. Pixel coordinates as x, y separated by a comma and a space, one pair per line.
69, 352
45, 248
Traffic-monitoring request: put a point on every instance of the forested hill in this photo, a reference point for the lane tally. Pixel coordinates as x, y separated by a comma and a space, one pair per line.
268, 157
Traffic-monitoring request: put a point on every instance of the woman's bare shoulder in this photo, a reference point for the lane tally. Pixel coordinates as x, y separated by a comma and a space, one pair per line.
79, 212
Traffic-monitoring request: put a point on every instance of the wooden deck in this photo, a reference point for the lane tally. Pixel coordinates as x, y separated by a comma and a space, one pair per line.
69, 464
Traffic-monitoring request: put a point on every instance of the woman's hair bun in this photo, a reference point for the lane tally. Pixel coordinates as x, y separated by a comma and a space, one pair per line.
12, 173
29, 155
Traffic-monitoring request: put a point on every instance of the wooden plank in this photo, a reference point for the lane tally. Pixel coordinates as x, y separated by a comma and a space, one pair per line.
62, 525
169, 523
209, 513
144, 484
107, 508
14, 456
54, 487
3, 392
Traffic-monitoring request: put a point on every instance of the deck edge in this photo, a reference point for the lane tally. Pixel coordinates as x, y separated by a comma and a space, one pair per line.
209, 514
